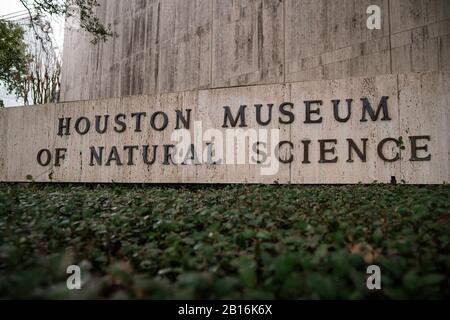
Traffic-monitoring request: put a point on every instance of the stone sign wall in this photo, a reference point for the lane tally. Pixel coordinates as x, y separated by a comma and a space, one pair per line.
384, 128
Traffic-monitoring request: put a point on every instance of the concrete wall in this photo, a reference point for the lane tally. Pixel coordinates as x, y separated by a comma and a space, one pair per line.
176, 45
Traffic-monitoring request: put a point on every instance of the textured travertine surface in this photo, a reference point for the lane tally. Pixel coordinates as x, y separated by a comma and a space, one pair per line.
417, 106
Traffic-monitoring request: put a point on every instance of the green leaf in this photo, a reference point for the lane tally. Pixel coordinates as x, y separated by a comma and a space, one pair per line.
247, 272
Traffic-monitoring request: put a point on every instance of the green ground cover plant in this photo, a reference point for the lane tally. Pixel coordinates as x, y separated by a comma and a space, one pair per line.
224, 242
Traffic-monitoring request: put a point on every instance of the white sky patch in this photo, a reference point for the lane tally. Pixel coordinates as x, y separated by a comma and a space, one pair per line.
14, 8
10, 6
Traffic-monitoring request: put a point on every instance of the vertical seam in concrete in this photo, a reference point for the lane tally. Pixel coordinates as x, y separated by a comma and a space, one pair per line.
158, 48
211, 46
284, 41
290, 131
196, 118
399, 124
390, 38
132, 53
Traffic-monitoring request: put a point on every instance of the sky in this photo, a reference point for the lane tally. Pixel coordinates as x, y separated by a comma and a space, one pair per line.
11, 6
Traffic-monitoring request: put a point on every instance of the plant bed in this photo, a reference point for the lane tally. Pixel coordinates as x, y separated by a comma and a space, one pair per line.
232, 241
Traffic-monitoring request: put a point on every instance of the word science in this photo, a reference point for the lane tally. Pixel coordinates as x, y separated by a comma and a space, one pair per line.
360, 130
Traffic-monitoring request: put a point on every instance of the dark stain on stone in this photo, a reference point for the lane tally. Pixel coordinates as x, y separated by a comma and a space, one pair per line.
260, 37
158, 20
